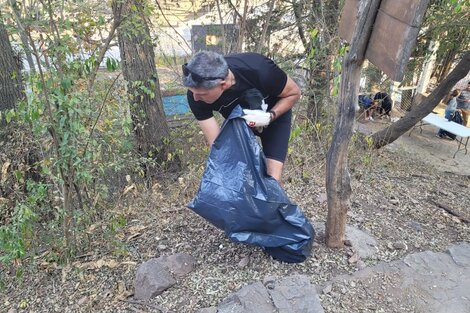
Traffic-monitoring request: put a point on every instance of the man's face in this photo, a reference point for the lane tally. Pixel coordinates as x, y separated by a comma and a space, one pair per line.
468, 86
207, 95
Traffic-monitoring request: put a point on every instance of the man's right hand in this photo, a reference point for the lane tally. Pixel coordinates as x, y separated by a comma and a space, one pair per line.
256, 118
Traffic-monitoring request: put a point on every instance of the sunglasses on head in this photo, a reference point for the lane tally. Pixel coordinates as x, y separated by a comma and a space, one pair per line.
196, 77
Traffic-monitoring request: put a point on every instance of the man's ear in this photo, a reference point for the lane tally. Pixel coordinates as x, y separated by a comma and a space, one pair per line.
224, 84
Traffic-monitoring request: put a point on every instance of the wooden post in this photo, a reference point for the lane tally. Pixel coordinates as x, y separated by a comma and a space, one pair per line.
338, 184
396, 27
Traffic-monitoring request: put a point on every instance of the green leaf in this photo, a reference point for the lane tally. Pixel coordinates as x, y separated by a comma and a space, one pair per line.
9, 115
111, 64
66, 83
313, 33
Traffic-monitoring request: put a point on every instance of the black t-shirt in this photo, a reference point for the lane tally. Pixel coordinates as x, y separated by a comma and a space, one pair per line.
251, 70
384, 98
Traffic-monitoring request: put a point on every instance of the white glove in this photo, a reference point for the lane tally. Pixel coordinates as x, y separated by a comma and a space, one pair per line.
256, 118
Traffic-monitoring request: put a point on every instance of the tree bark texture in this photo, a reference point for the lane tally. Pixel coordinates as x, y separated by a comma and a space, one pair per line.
338, 185
139, 70
323, 17
11, 84
242, 25
262, 40
297, 7
395, 130
23, 35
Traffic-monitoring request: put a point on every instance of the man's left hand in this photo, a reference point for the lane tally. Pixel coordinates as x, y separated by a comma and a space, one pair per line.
256, 118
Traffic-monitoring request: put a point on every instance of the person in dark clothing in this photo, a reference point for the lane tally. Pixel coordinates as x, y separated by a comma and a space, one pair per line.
365, 102
384, 104
219, 83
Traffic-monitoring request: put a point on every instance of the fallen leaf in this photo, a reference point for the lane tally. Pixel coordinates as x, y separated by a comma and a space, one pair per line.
128, 188
5, 167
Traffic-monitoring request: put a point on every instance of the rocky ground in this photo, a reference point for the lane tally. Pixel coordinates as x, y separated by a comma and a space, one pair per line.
406, 202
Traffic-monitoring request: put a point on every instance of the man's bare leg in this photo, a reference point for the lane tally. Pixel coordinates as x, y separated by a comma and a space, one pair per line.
274, 169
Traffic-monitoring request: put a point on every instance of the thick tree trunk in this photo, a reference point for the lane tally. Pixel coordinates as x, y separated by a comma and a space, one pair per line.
338, 185
11, 84
395, 130
23, 36
138, 64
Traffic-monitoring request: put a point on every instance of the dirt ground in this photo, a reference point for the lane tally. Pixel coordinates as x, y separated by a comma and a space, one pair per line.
397, 198
423, 143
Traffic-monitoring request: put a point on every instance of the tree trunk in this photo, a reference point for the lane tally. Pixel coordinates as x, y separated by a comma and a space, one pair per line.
338, 185
11, 84
23, 36
138, 65
319, 46
297, 7
261, 42
222, 28
395, 130
242, 30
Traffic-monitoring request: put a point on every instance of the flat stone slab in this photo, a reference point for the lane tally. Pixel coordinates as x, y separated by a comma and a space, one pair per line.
424, 282
295, 294
253, 298
292, 294
431, 282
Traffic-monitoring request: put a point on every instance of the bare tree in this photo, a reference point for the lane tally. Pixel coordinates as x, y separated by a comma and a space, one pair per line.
242, 27
338, 185
222, 27
262, 40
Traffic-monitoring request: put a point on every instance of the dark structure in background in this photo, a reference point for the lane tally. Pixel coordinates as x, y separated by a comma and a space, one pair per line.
215, 37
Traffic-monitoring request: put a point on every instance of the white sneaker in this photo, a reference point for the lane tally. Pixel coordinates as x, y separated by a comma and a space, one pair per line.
370, 118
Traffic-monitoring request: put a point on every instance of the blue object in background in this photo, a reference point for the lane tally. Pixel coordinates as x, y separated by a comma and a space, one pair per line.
174, 105
238, 196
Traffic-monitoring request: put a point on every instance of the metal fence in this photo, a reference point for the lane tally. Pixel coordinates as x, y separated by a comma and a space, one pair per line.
403, 96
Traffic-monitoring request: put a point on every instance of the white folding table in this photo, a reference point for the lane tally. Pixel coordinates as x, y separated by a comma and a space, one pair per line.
452, 127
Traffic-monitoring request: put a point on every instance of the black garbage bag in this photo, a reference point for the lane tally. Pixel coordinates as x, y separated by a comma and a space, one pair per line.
251, 99
237, 196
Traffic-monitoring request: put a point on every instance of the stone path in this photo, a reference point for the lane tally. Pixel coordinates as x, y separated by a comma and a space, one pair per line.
426, 282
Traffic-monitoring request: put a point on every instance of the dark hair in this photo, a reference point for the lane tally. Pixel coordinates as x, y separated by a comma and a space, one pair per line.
205, 70
455, 92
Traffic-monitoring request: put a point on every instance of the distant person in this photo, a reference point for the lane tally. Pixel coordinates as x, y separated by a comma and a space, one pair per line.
451, 108
365, 102
384, 104
463, 104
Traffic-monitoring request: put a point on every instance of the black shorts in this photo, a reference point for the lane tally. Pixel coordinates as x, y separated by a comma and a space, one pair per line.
275, 137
